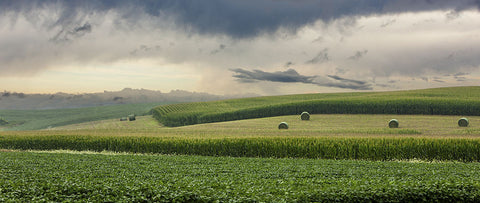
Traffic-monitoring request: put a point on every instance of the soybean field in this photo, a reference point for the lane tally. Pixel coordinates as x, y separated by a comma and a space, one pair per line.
102, 177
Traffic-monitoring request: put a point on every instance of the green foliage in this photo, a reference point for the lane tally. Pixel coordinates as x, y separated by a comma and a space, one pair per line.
61, 177
41, 119
366, 148
440, 101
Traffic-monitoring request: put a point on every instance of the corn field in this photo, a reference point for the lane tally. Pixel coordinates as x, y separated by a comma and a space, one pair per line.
464, 149
446, 101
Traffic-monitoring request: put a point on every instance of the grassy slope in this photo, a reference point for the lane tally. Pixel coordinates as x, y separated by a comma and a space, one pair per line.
193, 113
41, 119
27, 176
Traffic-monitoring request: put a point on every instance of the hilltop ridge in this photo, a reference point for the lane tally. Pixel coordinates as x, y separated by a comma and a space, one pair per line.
22, 101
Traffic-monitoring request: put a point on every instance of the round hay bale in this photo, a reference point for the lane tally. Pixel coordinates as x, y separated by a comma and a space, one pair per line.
393, 123
463, 122
123, 119
305, 116
131, 117
283, 125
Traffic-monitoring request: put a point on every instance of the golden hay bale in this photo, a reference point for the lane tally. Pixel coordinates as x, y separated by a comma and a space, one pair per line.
393, 123
131, 117
283, 125
305, 116
463, 122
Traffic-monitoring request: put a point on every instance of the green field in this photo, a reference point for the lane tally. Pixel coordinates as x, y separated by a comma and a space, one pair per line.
42, 119
61, 176
334, 136
347, 155
439, 101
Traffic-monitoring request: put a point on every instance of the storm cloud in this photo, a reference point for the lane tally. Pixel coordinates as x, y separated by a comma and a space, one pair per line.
239, 19
332, 43
292, 76
76, 32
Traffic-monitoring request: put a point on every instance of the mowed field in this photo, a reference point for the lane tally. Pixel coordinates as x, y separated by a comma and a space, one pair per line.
331, 157
319, 125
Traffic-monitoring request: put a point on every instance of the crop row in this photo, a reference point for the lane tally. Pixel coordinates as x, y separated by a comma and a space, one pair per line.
214, 113
461, 149
61, 177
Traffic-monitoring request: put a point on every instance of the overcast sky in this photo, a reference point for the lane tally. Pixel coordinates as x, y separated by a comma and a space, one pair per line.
267, 47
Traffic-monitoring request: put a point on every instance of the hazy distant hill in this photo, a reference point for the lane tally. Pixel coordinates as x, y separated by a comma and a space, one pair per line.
14, 100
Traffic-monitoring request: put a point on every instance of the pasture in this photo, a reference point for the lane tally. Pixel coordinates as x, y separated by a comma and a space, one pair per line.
43, 119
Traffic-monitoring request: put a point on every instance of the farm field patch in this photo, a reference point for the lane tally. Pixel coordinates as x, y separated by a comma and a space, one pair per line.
324, 136
320, 125
44, 119
437, 101
60, 176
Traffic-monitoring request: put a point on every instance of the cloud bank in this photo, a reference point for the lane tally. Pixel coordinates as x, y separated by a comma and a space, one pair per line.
292, 76
408, 41
239, 19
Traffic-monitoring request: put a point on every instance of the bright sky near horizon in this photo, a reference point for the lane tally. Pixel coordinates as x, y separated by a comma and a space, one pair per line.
266, 47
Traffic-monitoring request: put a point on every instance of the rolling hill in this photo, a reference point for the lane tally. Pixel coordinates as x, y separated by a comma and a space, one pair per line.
437, 101
42, 119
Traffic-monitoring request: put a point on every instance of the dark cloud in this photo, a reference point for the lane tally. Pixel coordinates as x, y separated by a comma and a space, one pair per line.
347, 80
76, 32
321, 57
452, 15
239, 19
144, 49
460, 76
358, 55
288, 76
292, 76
